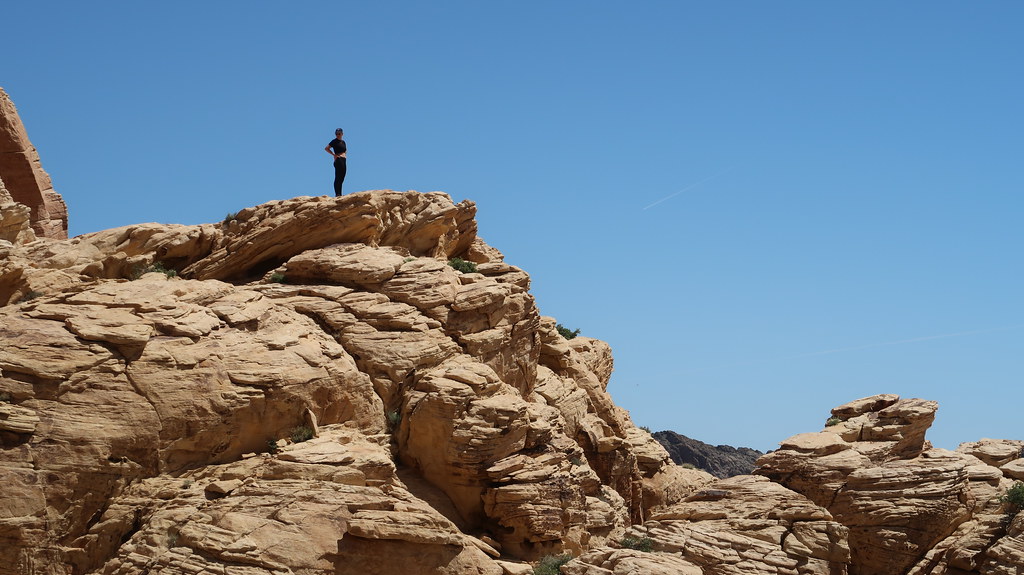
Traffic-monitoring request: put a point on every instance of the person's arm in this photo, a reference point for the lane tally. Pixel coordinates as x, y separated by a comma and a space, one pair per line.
328, 149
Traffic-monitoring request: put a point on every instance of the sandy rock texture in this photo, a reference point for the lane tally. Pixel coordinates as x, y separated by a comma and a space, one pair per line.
309, 388
909, 508
150, 385
25, 179
345, 401
15, 219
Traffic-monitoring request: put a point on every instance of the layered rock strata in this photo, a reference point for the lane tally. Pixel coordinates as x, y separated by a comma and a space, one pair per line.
310, 388
353, 404
143, 419
15, 219
909, 508
23, 173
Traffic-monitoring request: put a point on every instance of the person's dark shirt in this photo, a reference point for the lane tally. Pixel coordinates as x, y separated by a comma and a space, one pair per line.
338, 146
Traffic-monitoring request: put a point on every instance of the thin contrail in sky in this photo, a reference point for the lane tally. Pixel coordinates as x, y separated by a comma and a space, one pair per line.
865, 346
690, 187
903, 341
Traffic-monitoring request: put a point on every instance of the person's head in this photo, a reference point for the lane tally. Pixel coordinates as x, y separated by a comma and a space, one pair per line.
339, 133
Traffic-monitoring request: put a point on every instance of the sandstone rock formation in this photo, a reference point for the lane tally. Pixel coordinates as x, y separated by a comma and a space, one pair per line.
344, 401
909, 508
719, 460
454, 424
310, 389
15, 219
23, 173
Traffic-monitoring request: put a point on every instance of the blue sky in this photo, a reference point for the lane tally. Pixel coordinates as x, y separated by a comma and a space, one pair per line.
768, 209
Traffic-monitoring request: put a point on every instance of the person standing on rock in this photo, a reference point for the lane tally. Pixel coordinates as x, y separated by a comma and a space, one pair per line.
338, 149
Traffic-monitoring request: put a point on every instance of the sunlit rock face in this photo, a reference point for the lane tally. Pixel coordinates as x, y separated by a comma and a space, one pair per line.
909, 508
25, 179
152, 375
367, 399
310, 387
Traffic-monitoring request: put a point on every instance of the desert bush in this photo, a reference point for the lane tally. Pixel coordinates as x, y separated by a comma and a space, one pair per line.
272, 446
566, 332
832, 421
228, 218
1015, 497
462, 265
29, 296
394, 418
277, 278
552, 564
301, 433
637, 543
139, 270
160, 268
5, 397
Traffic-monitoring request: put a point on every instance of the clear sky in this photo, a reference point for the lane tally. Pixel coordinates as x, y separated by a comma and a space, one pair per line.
767, 208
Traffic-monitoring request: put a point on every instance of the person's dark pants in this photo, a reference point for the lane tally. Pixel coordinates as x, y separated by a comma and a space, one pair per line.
340, 168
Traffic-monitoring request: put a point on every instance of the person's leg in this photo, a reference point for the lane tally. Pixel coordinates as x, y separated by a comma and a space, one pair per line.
339, 175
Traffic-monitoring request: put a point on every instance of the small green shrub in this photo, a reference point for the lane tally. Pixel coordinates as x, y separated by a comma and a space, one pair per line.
832, 421
29, 296
687, 466
186, 484
160, 268
637, 543
566, 332
1014, 497
5, 397
277, 278
552, 564
140, 270
394, 418
462, 265
228, 218
645, 428
272, 446
301, 433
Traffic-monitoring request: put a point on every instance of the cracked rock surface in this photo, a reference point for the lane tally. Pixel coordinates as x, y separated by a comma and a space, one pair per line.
310, 388
148, 420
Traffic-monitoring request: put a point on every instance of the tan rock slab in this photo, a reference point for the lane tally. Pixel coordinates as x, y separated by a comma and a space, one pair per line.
17, 419
818, 444
1014, 469
994, 452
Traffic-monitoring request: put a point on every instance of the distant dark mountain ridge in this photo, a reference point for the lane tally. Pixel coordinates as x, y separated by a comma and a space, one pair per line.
721, 460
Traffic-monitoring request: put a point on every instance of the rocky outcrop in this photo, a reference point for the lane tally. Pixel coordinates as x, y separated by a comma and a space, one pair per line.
360, 406
747, 524
909, 508
721, 461
454, 424
25, 179
310, 388
15, 219
867, 495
